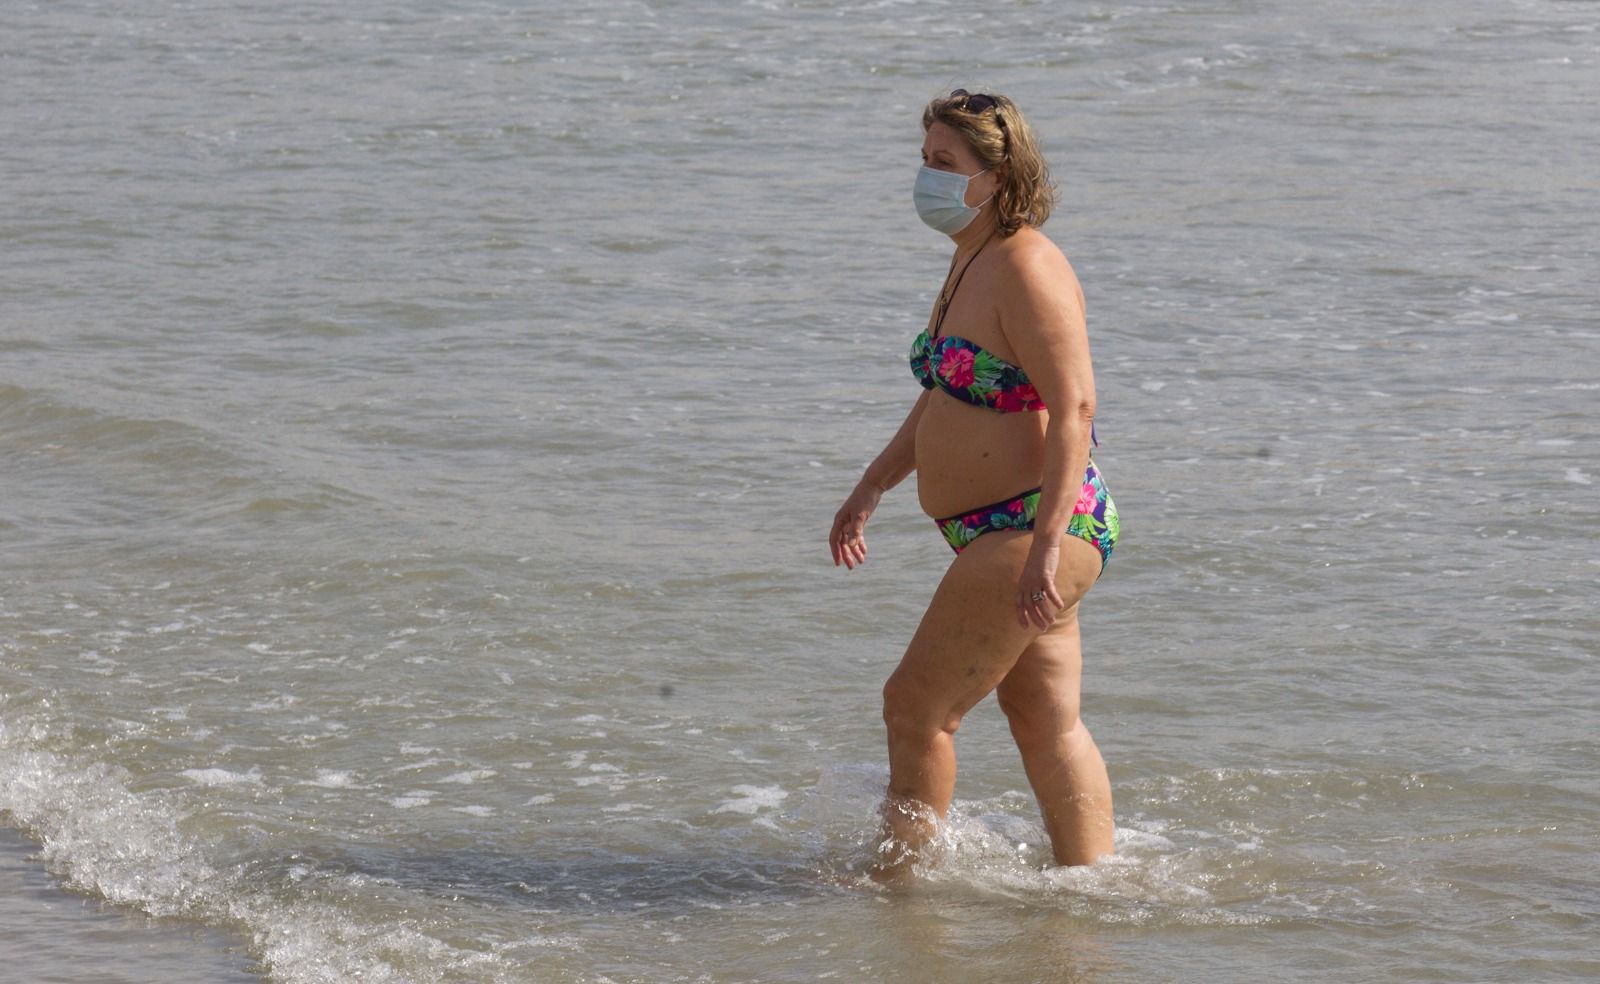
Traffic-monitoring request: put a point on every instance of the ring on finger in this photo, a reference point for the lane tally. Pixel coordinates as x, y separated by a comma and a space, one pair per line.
1037, 597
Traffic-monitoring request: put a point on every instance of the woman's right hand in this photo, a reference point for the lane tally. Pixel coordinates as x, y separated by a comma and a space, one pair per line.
848, 539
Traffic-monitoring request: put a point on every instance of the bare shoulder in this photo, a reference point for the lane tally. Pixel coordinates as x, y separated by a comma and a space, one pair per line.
1038, 268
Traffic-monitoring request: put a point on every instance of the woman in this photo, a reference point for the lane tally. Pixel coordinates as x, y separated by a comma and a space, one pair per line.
1000, 441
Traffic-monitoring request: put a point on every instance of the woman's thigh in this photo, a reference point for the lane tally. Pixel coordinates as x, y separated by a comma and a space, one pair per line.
1040, 695
1044, 680
969, 638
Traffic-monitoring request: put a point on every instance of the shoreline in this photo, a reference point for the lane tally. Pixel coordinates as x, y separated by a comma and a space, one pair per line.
59, 934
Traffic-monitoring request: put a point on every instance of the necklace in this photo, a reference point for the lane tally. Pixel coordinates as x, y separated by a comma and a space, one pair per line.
948, 292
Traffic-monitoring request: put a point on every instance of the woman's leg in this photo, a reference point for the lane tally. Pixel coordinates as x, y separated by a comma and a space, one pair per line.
968, 641
1040, 698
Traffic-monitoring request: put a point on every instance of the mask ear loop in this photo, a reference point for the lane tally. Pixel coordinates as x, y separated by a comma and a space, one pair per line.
986, 200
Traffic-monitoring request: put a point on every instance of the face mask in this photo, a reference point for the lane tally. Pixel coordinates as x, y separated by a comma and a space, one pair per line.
941, 200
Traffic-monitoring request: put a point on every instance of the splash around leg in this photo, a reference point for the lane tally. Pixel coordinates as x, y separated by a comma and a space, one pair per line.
909, 836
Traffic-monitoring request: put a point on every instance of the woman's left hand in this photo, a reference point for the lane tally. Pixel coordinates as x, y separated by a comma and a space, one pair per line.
1037, 598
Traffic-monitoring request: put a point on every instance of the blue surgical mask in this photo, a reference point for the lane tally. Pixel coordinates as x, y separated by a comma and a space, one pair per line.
941, 199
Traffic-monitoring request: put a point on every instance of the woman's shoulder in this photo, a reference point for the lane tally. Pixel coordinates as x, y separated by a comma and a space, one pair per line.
1031, 256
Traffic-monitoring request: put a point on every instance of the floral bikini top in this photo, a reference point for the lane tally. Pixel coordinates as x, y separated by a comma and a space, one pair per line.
972, 374
963, 369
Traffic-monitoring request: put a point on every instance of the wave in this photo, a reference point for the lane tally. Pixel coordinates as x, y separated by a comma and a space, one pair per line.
144, 850
91, 468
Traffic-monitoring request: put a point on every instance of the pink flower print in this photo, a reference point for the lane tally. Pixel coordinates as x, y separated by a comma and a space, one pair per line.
1019, 397
956, 367
1018, 504
1088, 499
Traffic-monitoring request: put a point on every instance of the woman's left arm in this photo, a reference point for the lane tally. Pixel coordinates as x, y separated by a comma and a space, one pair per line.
1043, 320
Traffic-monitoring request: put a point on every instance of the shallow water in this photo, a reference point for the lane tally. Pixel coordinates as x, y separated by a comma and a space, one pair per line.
68, 937
420, 428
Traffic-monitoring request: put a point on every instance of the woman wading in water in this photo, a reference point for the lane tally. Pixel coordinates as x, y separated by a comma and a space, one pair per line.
1000, 440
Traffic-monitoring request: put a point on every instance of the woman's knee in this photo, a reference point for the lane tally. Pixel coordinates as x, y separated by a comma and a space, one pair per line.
907, 712
1038, 710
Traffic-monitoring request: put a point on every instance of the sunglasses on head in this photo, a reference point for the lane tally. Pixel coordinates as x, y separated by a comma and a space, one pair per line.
973, 102
977, 102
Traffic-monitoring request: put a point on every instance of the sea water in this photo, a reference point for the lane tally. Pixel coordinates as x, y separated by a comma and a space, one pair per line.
420, 425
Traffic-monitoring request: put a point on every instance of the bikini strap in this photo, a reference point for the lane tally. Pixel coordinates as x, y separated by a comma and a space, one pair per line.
944, 306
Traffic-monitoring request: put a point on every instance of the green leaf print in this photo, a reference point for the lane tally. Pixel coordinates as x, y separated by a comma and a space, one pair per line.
1030, 507
1007, 521
957, 533
986, 372
1081, 525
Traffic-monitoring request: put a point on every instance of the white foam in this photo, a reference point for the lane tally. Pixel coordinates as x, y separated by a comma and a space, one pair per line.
753, 799
424, 764
565, 942
277, 703
1578, 477
611, 781
130, 848
331, 779
999, 845
263, 649
221, 777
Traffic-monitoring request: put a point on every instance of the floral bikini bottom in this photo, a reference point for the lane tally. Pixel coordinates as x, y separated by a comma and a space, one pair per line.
1094, 517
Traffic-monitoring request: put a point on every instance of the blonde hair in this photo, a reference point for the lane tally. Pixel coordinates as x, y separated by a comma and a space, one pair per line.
1001, 139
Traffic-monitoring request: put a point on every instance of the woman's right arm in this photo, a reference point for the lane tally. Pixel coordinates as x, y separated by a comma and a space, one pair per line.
898, 459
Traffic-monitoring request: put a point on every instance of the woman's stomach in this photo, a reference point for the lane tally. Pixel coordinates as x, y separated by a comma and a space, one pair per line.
969, 456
